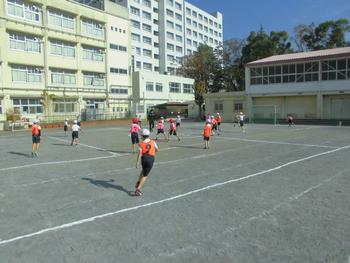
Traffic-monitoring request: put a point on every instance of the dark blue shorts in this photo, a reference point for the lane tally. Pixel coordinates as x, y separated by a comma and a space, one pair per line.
134, 138
147, 164
35, 138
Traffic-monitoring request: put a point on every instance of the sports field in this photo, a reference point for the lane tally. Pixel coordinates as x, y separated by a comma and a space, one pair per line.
273, 194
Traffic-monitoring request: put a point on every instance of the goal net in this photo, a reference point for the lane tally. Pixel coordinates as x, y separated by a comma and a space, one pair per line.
263, 114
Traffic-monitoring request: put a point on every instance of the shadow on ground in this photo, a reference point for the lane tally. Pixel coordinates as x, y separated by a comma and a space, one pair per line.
108, 184
21, 154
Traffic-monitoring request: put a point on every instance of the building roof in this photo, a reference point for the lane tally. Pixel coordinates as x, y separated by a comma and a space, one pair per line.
303, 56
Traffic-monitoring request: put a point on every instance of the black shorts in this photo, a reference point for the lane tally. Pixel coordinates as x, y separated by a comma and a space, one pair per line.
75, 135
219, 123
241, 123
178, 124
173, 132
160, 131
134, 138
290, 121
65, 128
215, 127
206, 138
147, 164
35, 138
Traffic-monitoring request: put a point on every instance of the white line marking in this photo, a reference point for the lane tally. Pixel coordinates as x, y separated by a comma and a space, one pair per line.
57, 162
276, 142
91, 219
86, 145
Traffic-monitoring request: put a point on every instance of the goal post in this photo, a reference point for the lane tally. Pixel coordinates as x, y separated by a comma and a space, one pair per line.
266, 114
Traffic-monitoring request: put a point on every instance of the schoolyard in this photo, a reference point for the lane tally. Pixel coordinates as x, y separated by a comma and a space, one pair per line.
273, 194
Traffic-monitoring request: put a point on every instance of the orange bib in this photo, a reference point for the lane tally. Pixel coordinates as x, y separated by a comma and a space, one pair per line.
148, 148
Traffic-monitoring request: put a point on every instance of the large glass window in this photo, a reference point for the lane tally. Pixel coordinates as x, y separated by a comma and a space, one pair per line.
26, 11
94, 79
93, 54
26, 74
159, 87
27, 105
119, 71
187, 88
19, 41
60, 76
174, 87
149, 86
61, 20
92, 28
65, 105
62, 48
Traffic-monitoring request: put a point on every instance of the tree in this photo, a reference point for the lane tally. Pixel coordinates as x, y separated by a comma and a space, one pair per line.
204, 67
329, 34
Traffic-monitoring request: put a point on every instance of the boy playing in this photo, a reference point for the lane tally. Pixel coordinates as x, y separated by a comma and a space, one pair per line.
75, 133
207, 134
148, 149
134, 131
36, 133
160, 129
218, 120
172, 130
65, 127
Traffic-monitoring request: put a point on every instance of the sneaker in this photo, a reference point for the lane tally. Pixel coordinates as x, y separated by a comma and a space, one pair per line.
138, 192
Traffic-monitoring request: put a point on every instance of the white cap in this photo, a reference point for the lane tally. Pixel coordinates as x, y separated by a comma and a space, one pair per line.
145, 132
241, 113
75, 121
217, 113
35, 121
162, 117
178, 116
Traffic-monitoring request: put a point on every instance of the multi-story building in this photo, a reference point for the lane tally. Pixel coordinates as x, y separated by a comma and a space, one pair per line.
63, 60
164, 31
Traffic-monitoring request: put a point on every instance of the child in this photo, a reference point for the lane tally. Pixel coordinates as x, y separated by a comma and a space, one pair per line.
134, 131
172, 130
75, 133
65, 127
178, 121
160, 129
147, 152
241, 121
207, 134
214, 125
218, 120
290, 120
36, 134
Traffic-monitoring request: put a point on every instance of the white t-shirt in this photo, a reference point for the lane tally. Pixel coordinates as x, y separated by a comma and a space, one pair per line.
75, 127
178, 120
241, 117
66, 123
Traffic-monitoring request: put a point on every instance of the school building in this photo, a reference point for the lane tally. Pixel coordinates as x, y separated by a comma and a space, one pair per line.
64, 59
310, 86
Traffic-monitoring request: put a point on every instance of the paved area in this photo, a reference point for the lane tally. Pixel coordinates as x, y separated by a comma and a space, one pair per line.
273, 194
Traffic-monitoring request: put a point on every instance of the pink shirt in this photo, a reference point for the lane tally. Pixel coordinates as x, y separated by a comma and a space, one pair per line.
135, 128
160, 126
172, 126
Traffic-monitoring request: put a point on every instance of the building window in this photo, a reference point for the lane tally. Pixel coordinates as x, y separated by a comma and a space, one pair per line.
147, 66
94, 104
27, 74
334, 69
138, 51
27, 105
92, 28
0, 106
59, 76
218, 107
170, 35
170, 46
135, 37
174, 87
24, 42
178, 28
149, 86
65, 105
170, 13
146, 15
118, 71
147, 40
178, 6
118, 47
178, 17
61, 20
26, 11
237, 106
178, 38
146, 3
119, 91
93, 54
62, 48
147, 53
135, 11
135, 24
146, 27
94, 79
187, 88
178, 49
169, 24
170, 2
138, 64
159, 87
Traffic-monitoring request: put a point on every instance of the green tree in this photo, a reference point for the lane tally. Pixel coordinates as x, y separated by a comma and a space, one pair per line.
329, 34
204, 67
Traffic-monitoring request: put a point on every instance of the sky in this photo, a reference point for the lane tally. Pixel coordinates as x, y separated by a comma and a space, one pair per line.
243, 16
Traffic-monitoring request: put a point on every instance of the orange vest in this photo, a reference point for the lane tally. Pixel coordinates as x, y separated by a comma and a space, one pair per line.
36, 129
207, 131
148, 148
